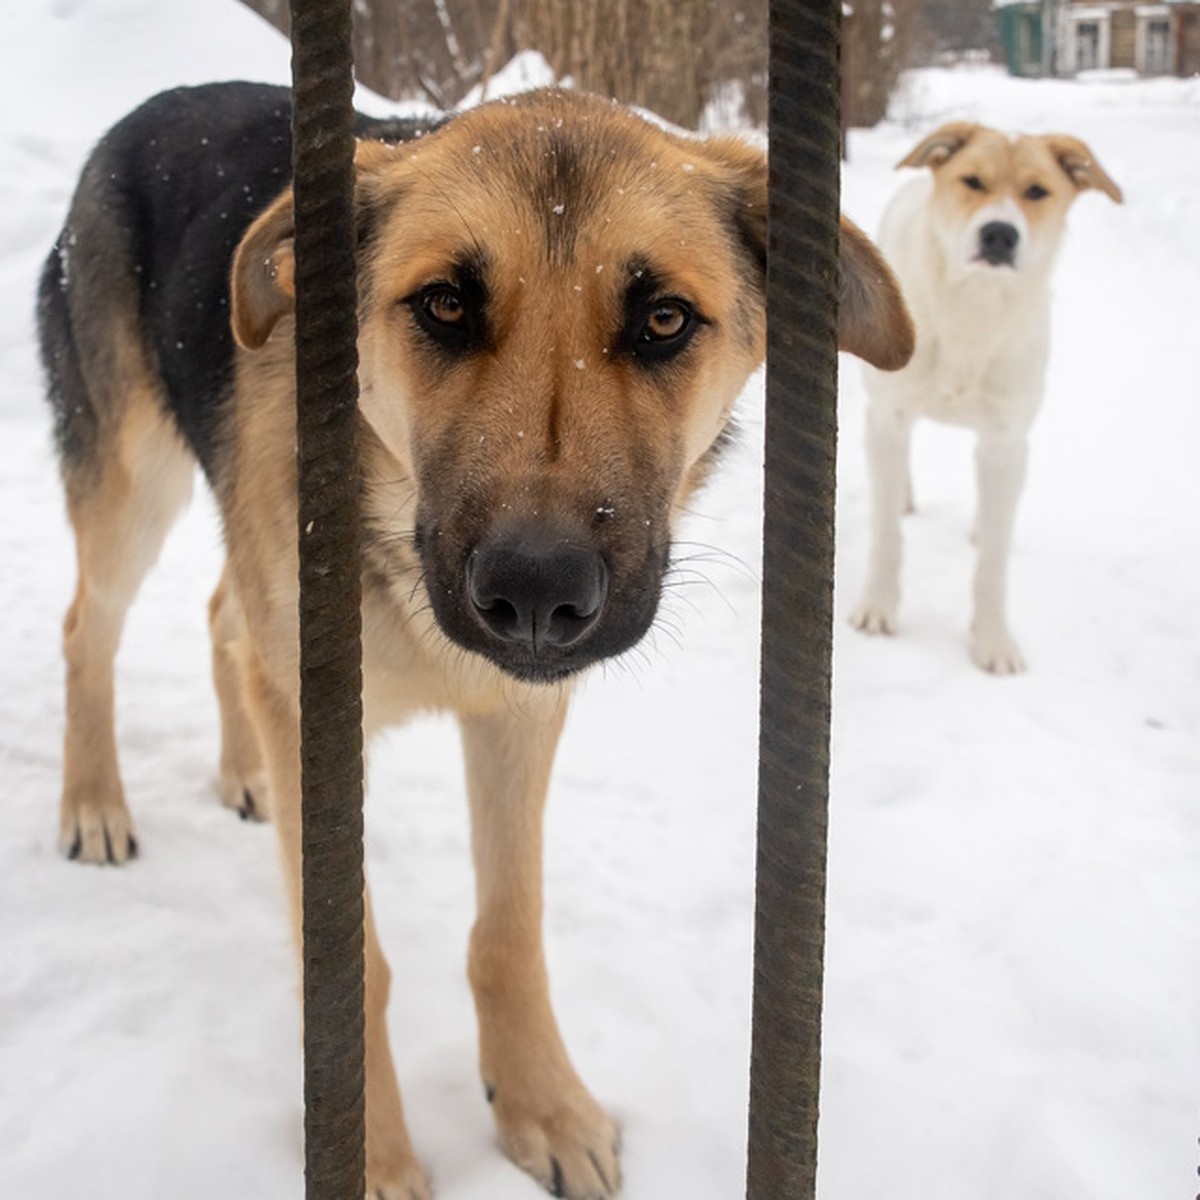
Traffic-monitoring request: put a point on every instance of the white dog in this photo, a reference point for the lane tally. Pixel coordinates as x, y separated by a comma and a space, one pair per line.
973, 244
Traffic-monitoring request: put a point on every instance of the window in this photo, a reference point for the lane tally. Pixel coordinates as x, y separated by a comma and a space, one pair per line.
1155, 57
1087, 45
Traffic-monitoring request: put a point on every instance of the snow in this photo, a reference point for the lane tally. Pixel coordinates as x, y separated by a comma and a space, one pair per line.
1014, 943
523, 73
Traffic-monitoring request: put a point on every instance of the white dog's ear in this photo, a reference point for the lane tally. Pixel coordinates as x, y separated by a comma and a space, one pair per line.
1080, 165
873, 320
941, 145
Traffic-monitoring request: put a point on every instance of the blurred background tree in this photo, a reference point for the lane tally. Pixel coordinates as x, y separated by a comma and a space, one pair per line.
675, 57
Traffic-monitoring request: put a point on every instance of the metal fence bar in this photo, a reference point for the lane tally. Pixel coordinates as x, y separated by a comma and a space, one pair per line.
801, 446
330, 599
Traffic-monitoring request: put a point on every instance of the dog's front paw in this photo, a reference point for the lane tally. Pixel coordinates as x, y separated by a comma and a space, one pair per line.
995, 651
874, 617
246, 796
404, 1184
96, 826
569, 1146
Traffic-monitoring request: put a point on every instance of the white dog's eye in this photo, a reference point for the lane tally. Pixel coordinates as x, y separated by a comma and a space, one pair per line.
974, 183
1035, 191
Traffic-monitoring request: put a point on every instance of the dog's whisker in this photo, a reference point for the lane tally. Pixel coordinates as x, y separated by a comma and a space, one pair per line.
418, 584
679, 580
667, 625
716, 555
677, 593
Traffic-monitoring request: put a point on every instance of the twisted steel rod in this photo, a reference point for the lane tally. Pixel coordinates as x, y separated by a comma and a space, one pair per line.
330, 600
801, 448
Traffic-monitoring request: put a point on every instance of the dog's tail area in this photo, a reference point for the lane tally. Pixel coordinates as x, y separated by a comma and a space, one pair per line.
75, 418
94, 355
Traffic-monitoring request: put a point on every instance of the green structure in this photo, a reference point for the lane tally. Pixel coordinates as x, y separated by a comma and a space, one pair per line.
1022, 34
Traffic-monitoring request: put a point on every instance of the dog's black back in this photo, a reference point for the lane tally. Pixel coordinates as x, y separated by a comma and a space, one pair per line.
161, 205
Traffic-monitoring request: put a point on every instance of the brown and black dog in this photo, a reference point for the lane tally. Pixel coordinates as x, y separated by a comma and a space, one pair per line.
559, 304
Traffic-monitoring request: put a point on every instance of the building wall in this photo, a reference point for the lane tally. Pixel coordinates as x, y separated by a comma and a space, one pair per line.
1123, 46
1113, 33
1187, 39
1085, 38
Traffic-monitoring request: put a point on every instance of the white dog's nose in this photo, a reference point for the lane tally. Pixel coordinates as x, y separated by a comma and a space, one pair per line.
998, 243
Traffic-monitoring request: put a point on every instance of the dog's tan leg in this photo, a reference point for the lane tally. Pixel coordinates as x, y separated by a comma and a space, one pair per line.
888, 436
243, 779
120, 515
1000, 462
393, 1172
548, 1122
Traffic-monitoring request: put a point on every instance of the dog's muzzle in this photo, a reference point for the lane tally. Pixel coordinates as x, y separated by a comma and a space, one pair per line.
535, 587
998, 243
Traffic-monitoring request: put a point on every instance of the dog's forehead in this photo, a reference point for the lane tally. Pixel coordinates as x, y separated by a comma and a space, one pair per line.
986, 148
1005, 157
1032, 156
569, 169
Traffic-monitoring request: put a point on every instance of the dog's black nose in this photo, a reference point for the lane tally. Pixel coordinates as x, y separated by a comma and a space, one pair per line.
998, 243
535, 585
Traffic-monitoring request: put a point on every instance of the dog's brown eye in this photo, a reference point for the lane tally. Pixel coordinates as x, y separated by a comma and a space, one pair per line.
667, 321
974, 183
658, 326
1035, 191
452, 316
444, 305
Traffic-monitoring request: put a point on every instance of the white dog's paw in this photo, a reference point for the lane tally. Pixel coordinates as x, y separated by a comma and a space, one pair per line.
995, 652
873, 617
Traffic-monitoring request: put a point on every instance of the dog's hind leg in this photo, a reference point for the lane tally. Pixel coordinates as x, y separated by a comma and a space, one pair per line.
393, 1172
243, 781
126, 473
121, 505
889, 433
548, 1122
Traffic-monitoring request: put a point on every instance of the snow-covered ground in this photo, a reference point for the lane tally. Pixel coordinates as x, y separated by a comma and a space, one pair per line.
1013, 994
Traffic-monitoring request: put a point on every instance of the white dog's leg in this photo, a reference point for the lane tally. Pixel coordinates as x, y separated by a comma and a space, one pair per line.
888, 435
1000, 462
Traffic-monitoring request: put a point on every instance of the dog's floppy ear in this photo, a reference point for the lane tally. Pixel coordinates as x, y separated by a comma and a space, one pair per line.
873, 320
940, 145
262, 280
746, 200
1080, 165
